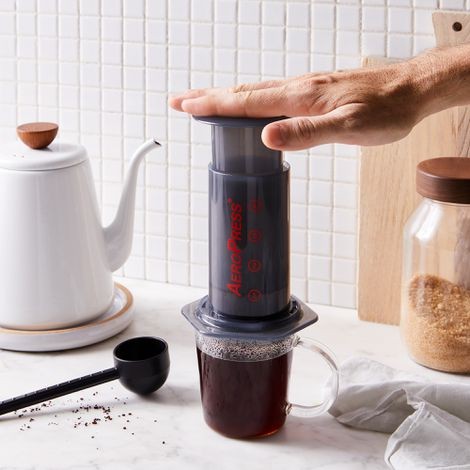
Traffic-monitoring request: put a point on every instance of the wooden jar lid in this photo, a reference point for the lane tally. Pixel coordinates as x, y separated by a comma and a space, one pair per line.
445, 179
37, 135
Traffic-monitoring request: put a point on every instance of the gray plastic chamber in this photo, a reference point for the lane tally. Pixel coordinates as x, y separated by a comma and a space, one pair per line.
237, 146
249, 269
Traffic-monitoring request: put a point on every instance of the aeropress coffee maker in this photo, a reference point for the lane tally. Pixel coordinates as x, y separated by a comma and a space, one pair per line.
246, 327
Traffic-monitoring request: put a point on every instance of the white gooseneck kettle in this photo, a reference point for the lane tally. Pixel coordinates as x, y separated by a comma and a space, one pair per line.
56, 259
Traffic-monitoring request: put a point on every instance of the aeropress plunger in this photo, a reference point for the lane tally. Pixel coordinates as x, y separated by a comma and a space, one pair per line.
249, 290
141, 364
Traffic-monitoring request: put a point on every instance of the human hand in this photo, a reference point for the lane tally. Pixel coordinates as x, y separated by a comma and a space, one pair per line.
368, 106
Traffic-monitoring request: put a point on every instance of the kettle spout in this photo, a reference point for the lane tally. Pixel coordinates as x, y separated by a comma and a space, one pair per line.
118, 235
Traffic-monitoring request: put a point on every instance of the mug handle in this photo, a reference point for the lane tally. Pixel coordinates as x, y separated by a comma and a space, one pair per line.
309, 411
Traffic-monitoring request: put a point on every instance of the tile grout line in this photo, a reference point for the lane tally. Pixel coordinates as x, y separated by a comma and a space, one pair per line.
167, 169
333, 172
356, 209
309, 157
57, 83
17, 66
386, 32
189, 248
122, 139
413, 35
145, 129
260, 39
100, 136
284, 67
237, 65
36, 110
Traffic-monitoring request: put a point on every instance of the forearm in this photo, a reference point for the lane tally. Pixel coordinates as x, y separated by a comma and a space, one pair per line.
442, 78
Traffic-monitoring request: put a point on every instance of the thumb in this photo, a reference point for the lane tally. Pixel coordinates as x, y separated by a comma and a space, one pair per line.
300, 133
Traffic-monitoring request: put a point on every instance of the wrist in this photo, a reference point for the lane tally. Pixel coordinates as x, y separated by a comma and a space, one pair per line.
441, 78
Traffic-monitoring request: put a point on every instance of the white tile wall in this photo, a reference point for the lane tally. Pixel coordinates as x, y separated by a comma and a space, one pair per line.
103, 69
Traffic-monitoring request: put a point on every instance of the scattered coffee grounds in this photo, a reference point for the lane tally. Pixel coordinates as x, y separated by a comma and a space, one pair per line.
436, 327
83, 415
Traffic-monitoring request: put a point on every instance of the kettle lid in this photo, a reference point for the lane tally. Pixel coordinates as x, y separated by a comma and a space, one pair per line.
37, 151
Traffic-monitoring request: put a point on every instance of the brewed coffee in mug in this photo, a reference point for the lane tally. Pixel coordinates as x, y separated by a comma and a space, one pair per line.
244, 384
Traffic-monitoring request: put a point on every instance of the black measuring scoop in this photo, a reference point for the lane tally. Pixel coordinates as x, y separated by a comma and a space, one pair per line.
141, 364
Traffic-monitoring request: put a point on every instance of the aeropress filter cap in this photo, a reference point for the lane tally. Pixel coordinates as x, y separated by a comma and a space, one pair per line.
249, 288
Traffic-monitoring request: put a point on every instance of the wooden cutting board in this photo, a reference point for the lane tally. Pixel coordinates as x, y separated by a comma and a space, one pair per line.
387, 194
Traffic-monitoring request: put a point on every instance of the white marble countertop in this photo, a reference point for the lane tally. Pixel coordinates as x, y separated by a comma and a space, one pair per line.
167, 429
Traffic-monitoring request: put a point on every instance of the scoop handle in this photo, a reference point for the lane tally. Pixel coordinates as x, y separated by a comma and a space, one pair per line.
58, 390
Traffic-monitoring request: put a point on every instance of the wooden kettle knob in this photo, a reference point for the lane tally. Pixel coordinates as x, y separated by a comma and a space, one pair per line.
37, 135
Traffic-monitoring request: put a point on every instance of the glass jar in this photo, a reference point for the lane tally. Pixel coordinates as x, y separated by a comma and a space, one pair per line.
435, 313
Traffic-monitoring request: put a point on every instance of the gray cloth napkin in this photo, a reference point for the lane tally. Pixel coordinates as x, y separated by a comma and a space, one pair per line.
429, 422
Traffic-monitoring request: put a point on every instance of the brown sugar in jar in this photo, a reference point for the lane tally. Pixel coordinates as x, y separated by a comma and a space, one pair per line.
437, 326
435, 312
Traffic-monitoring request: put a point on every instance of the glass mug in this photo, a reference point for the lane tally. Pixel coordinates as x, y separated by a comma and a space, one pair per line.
244, 383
